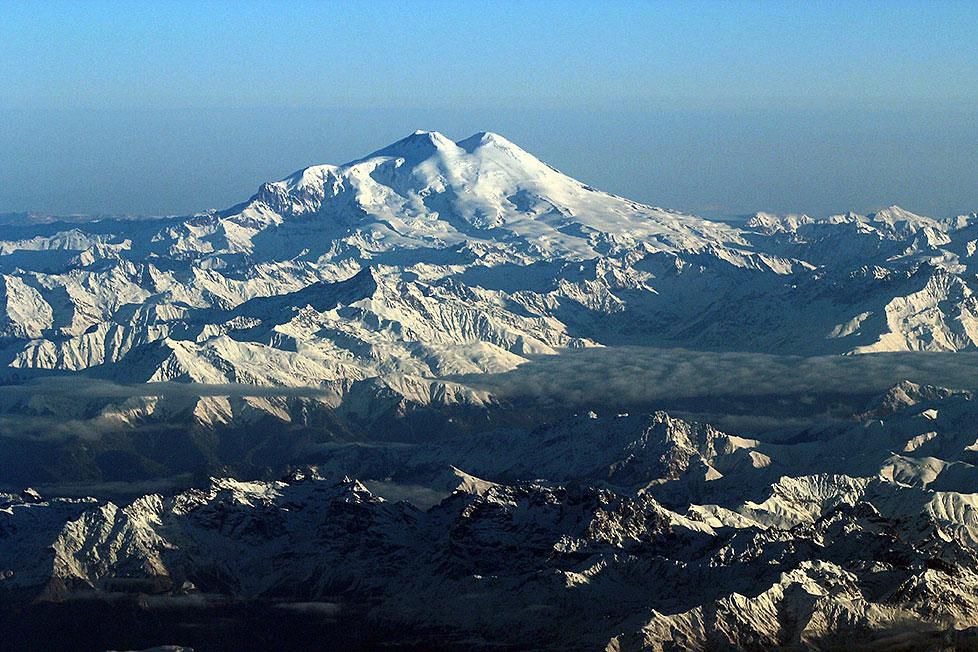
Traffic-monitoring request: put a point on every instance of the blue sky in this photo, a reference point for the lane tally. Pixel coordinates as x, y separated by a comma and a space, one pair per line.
719, 107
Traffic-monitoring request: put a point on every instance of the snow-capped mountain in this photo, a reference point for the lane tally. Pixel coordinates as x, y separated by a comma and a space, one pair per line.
431, 257
327, 330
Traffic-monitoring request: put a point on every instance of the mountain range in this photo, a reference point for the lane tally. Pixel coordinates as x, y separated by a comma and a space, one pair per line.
430, 257
275, 410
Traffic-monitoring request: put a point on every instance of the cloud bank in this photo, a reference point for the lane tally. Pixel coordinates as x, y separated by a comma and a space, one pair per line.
640, 377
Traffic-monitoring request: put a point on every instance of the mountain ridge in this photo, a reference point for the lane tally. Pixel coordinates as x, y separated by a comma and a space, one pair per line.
328, 331
482, 255
803, 559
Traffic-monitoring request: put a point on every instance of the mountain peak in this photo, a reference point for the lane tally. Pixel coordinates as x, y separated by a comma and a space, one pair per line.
481, 186
896, 213
424, 136
422, 144
483, 138
418, 146
903, 221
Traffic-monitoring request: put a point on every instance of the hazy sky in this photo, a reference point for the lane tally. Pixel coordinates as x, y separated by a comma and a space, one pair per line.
721, 107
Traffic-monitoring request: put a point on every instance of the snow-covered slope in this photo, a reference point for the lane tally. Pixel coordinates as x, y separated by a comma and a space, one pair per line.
431, 257
324, 324
851, 555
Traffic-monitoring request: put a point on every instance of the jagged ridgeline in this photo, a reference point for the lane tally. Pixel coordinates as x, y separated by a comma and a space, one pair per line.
613, 425
651, 533
432, 257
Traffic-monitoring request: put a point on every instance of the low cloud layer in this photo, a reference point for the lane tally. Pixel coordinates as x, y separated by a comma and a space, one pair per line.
614, 375
646, 377
84, 387
740, 391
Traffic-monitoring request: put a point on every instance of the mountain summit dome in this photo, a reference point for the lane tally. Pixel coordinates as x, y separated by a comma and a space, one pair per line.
427, 190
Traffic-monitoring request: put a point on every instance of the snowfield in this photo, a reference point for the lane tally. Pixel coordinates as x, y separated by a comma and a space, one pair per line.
321, 342
432, 257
